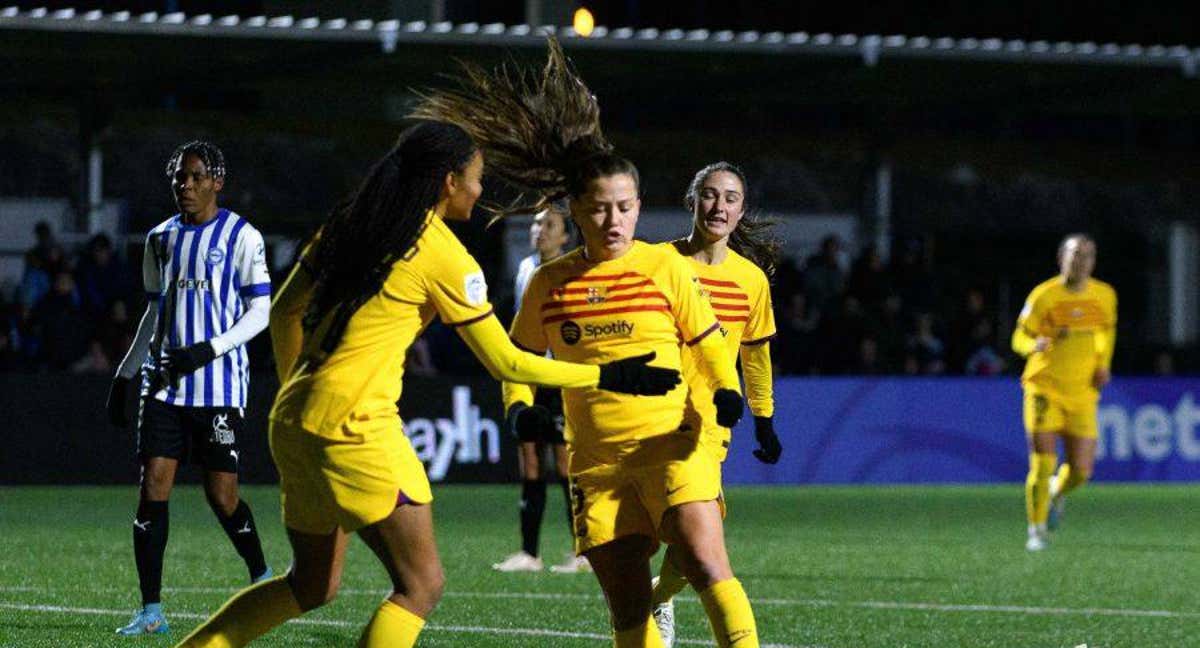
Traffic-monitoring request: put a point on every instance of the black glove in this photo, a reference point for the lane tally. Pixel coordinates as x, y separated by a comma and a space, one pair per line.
182, 361
729, 407
634, 376
117, 394
531, 423
769, 447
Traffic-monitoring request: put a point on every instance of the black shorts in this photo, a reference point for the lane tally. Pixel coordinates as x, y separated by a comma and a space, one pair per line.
206, 435
551, 399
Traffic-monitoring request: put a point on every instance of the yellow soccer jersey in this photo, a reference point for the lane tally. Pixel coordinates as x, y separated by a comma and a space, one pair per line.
1082, 326
646, 300
361, 379
741, 298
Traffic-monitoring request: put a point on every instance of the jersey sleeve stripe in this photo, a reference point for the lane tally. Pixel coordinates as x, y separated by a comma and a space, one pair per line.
731, 307
477, 318
731, 319
692, 342
758, 341
728, 295
555, 305
604, 311
255, 290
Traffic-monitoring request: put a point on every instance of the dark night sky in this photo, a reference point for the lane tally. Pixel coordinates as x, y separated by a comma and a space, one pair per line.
1099, 20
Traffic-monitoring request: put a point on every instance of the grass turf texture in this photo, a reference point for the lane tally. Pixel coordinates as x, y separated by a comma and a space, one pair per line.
838, 567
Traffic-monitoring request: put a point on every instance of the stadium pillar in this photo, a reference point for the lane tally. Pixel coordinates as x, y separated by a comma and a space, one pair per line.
1183, 262
876, 221
95, 116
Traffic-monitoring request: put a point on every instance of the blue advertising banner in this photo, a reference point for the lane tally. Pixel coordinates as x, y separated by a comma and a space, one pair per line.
959, 430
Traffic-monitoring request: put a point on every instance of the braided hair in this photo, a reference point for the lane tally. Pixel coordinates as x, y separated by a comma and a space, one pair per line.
378, 225
753, 237
209, 154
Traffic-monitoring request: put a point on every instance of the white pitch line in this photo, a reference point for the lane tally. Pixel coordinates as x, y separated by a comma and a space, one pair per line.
527, 632
784, 602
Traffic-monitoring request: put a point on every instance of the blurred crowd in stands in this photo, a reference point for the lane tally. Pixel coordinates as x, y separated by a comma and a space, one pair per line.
880, 318
70, 312
77, 311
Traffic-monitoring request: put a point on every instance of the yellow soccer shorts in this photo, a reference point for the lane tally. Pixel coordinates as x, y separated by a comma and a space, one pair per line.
348, 482
1047, 413
630, 497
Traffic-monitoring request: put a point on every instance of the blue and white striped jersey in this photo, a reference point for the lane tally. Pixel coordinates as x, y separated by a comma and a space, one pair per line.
201, 277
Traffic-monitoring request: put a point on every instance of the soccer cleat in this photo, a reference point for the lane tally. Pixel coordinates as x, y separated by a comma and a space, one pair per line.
572, 565
664, 618
1037, 540
1054, 520
262, 577
148, 620
519, 562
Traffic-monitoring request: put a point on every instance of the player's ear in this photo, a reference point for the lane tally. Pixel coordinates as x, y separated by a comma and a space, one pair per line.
218, 184
450, 183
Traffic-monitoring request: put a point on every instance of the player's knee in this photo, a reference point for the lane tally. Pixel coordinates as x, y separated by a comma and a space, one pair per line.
313, 594
156, 487
223, 503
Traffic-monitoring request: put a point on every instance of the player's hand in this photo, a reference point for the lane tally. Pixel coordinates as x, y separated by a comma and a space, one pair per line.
729, 407
182, 361
635, 376
1101, 378
115, 405
530, 423
769, 447
1042, 343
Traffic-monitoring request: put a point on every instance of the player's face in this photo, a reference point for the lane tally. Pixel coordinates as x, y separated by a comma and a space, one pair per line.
607, 215
463, 188
194, 189
1078, 259
720, 206
548, 234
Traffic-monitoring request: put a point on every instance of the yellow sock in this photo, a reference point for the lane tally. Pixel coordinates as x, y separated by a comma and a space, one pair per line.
248, 615
670, 581
1037, 486
643, 636
392, 627
1068, 479
730, 615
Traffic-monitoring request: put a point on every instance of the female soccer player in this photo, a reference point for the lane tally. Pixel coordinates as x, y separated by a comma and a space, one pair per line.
381, 268
732, 256
637, 476
1067, 330
540, 426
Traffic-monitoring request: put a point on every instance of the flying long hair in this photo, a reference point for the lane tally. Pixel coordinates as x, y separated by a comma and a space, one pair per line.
378, 225
539, 130
754, 237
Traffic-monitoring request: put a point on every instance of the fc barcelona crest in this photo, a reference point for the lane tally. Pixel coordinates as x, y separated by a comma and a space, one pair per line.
595, 295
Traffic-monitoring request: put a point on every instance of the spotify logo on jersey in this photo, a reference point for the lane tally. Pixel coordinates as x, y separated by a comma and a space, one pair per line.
569, 331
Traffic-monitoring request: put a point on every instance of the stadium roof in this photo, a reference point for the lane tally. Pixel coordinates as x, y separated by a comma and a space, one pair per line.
870, 48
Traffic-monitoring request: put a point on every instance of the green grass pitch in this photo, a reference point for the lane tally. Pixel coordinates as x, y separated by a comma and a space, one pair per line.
837, 567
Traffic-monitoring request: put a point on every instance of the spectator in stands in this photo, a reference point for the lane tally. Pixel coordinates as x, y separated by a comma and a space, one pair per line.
983, 359
926, 347
823, 277
103, 278
869, 281
58, 324
42, 263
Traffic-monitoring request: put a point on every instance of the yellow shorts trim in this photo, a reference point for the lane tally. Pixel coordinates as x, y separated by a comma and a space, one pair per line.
613, 501
1044, 413
349, 482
